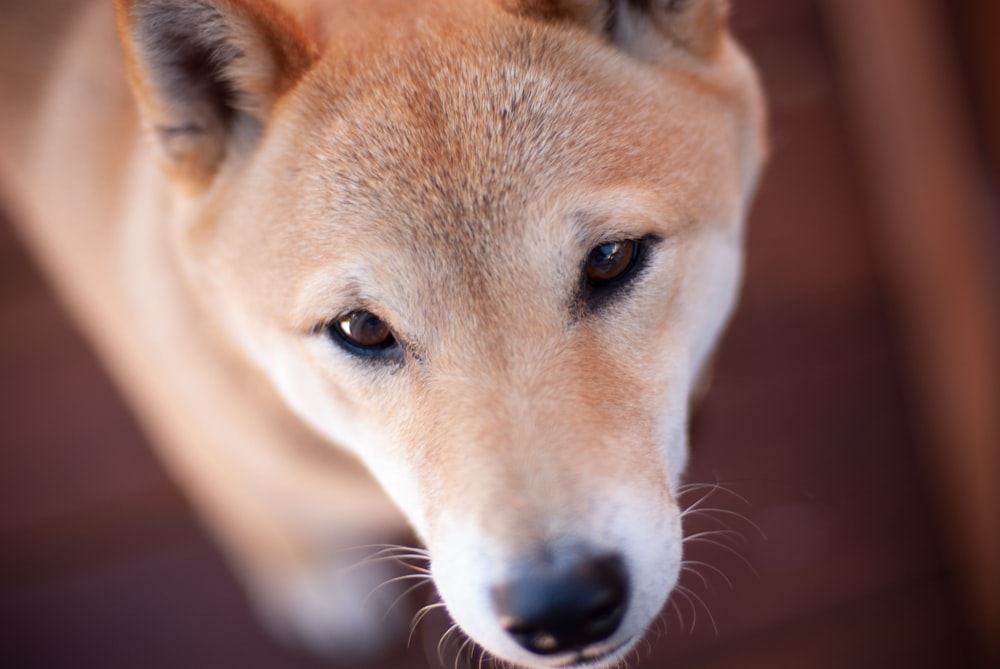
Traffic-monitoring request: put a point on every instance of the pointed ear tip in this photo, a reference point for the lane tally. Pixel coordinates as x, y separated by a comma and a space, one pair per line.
698, 26
206, 73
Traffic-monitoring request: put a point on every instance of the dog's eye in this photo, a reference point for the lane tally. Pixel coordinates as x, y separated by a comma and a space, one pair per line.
611, 261
362, 330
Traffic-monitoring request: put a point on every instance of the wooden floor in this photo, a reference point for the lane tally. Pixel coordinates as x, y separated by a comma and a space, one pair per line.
842, 565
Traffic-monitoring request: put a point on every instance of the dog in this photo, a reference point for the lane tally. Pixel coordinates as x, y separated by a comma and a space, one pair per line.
451, 265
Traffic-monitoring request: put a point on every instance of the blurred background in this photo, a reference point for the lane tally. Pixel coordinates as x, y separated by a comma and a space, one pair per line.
854, 422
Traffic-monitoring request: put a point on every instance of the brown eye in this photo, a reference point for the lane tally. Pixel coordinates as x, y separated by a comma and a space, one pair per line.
610, 261
364, 330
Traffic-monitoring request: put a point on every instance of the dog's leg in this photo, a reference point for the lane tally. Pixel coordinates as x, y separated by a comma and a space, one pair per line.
287, 506
320, 590
291, 514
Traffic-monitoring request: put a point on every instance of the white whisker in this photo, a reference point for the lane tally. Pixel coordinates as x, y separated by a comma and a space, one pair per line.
689, 564
461, 649
440, 647
685, 567
390, 581
405, 593
733, 551
731, 535
712, 489
692, 597
677, 610
419, 616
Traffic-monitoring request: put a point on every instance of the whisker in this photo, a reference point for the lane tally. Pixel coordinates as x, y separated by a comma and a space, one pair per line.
404, 594
690, 563
386, 550
661, 628
733, 535
704, 498
462, 649
734, 552
712, 489
691, 570
693, 595
440, 646
400, 560
649, 650
683, 592
397, 553
419, 616
384, 547
677, 610
387, 553
711, 512
634, 656
387, 582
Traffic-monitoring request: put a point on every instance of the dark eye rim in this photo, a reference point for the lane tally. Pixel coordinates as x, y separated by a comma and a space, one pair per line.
597, 293
384, 350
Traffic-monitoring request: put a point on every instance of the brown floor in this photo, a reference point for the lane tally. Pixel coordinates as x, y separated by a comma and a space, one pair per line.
103, 565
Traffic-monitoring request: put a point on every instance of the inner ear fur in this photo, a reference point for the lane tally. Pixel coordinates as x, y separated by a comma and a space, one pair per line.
206, 75
695, 26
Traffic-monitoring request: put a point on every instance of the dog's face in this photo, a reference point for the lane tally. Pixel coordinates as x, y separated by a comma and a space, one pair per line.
489, 251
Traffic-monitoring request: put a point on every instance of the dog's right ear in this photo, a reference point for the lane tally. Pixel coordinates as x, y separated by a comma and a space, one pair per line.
206, 74
640, 26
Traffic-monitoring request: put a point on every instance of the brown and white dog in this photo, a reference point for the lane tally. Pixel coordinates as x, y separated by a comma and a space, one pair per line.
482, 247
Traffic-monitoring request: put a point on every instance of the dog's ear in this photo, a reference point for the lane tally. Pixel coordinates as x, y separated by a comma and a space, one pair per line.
206, 74
639, 25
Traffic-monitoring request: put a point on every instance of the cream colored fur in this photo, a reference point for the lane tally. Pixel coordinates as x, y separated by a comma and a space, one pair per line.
447, 166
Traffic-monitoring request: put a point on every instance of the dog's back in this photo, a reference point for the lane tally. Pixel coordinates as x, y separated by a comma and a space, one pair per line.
66, 119
32, 35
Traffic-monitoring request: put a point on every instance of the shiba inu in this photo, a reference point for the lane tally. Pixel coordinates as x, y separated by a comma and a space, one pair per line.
453, 263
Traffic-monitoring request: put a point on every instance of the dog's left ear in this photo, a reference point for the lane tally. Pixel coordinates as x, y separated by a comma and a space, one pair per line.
640, 26
206, 75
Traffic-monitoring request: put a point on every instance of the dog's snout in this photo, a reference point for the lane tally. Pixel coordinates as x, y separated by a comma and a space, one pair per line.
554, 609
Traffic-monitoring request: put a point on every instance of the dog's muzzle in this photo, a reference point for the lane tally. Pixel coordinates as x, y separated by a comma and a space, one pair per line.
554, 608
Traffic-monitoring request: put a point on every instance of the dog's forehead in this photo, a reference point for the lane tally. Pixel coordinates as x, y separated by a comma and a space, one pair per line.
480, 123
454, 135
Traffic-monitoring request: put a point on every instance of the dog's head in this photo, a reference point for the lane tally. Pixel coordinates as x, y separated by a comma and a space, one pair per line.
487, 246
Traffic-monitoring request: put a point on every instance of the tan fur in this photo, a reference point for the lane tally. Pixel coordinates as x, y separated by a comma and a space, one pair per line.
448, 166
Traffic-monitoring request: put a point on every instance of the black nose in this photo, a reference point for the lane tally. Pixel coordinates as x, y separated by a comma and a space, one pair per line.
553, 609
